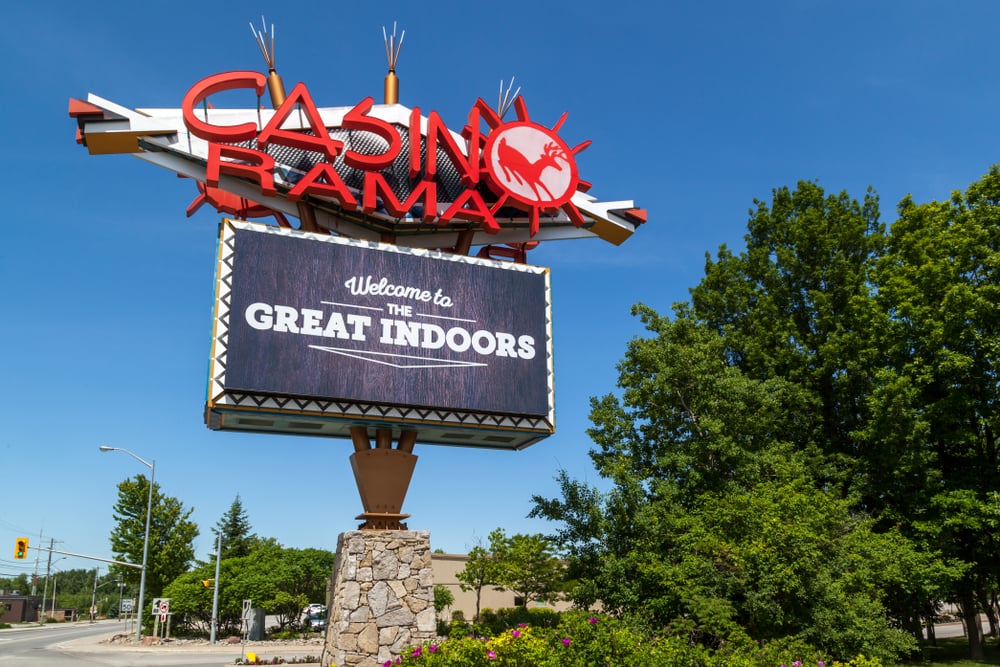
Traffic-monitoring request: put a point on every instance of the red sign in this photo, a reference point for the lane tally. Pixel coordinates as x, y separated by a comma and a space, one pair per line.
523, 164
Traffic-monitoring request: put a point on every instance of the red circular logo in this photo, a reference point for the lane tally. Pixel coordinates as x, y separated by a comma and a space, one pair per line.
531, 164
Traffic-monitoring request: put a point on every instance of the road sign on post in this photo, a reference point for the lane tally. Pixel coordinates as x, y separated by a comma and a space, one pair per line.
247, 604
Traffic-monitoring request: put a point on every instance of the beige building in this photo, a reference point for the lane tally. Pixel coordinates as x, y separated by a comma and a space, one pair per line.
446, 568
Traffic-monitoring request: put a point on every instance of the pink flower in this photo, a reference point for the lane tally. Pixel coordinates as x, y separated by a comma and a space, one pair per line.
592, 620
820, 663
565, 641
434, 648
491, 655
522, 625
387, 663
417, 652
515, 634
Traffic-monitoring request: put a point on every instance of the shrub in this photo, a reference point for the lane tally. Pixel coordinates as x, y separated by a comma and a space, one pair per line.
594, 640
741, 651
859, 661
577, 639
494, 622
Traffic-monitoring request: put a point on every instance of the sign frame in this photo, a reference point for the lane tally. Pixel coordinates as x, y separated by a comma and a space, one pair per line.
264, 411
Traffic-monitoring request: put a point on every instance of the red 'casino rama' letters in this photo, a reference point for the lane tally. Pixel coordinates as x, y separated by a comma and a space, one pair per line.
324, 181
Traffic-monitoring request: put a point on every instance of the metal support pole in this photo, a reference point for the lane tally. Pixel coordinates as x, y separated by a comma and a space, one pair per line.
145, 554
215, 593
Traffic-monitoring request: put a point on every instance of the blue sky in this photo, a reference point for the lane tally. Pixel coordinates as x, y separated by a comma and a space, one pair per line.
694, 110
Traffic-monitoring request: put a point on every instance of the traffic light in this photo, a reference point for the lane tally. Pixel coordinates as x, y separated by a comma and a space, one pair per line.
21, 548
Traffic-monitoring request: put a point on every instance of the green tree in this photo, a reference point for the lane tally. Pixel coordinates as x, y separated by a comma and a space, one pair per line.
280, 580
832, 368
717, 523
807, 302
237, 538
191, 600
526, 566
443, 598
797, 304
19, 583
72, 588
938, 415
171, 535
480, 571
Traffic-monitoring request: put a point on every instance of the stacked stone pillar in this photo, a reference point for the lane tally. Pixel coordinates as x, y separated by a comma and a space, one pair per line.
382, 597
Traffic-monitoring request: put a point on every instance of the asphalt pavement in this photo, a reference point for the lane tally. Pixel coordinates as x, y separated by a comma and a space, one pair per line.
109, 643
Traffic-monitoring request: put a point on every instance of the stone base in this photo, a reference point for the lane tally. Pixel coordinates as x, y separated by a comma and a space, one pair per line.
382, 597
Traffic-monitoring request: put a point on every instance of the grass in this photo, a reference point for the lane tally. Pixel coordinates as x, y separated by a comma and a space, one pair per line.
954, 652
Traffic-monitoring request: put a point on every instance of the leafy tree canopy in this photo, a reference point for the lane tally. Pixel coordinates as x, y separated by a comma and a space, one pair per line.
280, 580
171, 534
808, 447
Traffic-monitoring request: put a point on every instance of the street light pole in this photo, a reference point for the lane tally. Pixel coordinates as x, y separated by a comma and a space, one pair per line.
145, 542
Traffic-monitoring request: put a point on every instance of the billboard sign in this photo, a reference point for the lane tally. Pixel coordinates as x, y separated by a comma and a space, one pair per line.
316, 333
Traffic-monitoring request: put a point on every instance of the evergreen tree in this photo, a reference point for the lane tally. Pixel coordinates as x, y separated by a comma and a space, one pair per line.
237, 540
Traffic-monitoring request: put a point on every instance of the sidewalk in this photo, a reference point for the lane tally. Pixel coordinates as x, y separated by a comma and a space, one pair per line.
117, 639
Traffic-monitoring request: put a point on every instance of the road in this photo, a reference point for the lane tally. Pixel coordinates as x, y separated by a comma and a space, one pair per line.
85, 644
957, 629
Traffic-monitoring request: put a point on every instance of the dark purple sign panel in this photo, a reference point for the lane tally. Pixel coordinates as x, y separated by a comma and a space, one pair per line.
330, 318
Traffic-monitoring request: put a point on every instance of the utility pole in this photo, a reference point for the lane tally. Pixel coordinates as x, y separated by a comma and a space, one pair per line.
34, 577
93, 598
48, 570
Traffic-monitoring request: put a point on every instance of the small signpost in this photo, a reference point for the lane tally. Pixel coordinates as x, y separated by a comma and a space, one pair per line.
245, 623
161, 615
126, 607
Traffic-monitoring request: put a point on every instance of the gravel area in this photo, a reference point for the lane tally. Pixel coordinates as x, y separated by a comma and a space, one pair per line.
270, 646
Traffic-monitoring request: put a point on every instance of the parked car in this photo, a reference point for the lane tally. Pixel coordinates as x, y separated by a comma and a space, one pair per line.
313, 608
316, 621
